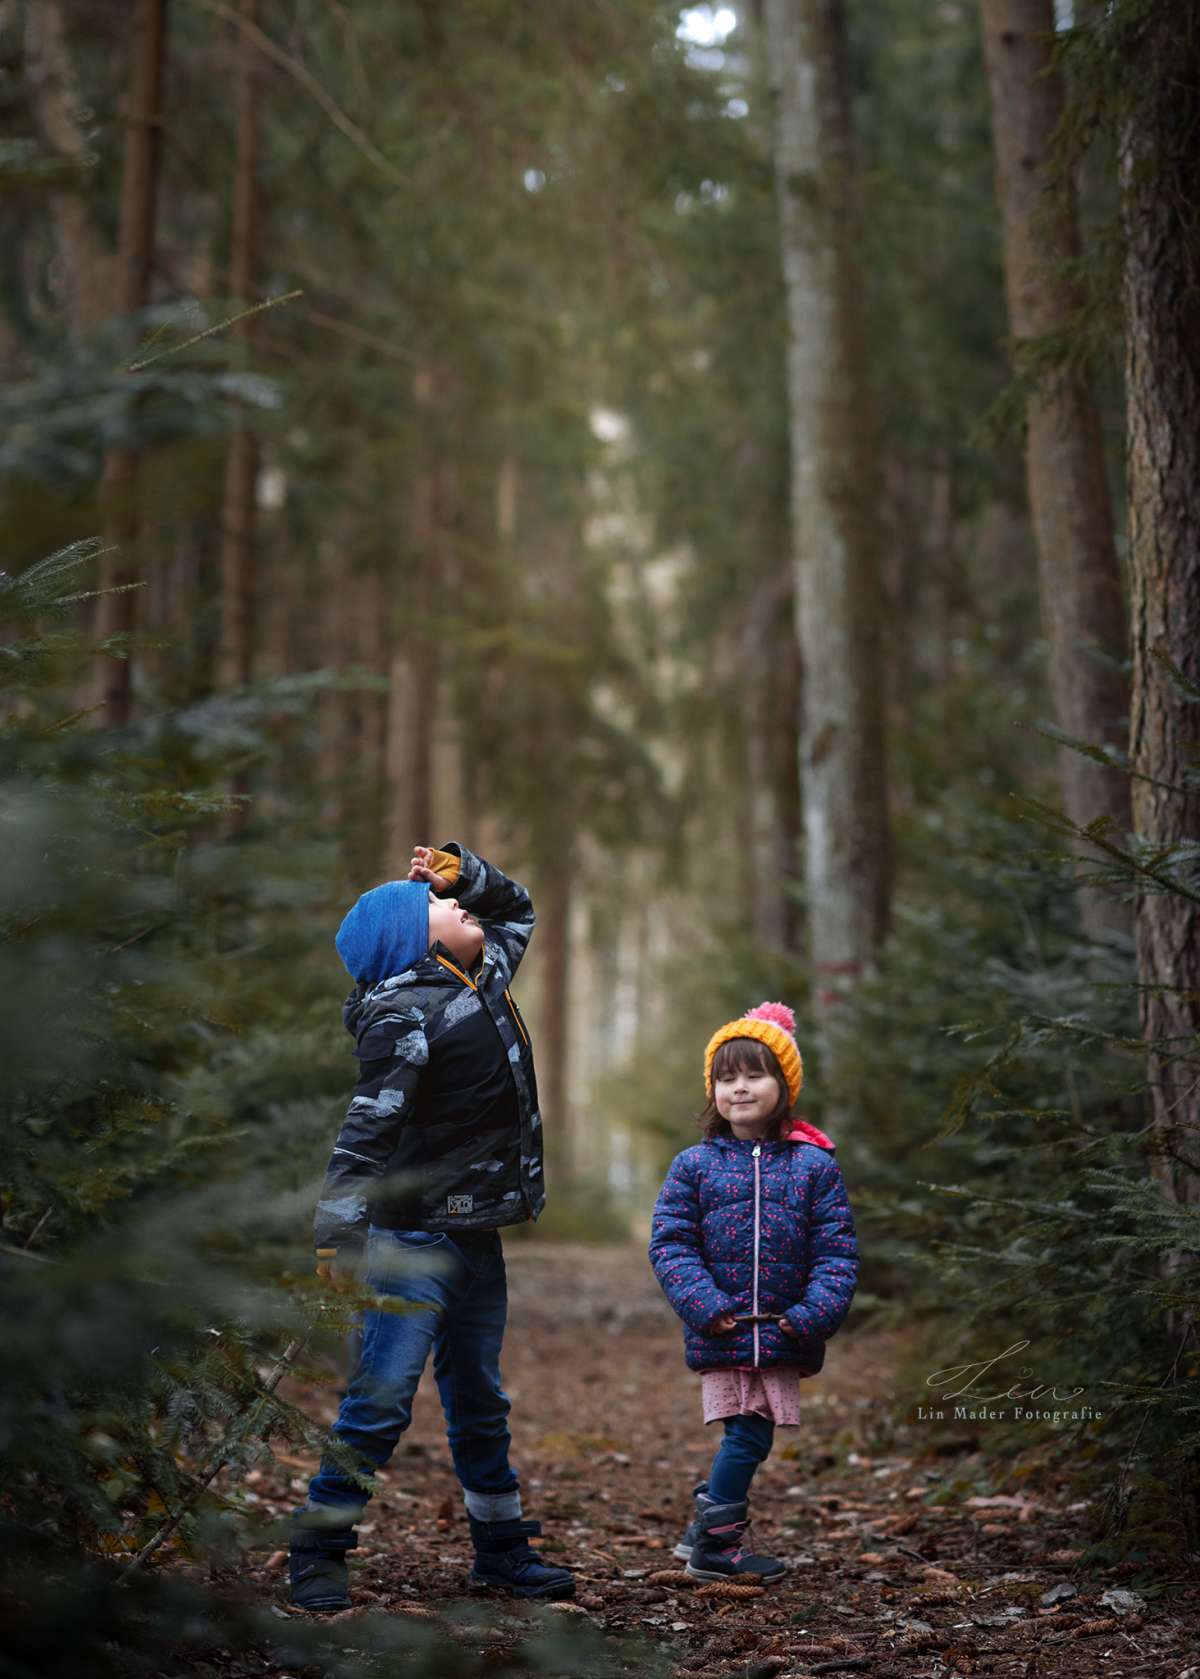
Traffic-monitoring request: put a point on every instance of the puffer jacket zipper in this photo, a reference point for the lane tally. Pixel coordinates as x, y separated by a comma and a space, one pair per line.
757, 1217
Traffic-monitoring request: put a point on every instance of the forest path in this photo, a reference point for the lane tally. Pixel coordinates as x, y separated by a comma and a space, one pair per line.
608, 1440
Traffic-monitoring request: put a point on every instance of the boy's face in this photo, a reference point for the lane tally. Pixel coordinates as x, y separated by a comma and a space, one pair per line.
455, 928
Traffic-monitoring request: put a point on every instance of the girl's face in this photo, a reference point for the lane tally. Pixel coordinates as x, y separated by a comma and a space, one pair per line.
747, 1098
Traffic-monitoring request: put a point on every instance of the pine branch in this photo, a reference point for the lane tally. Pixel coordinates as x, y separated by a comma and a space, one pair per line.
224, 1451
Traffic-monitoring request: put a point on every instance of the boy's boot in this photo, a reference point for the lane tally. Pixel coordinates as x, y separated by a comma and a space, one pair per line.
722, 1550
503, 1558
692, 1532
317, 1567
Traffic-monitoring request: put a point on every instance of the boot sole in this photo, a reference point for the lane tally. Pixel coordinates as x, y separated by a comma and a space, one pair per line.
476, 1583
748, 1579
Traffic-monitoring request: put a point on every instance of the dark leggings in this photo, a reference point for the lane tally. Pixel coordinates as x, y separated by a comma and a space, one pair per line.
747, 1443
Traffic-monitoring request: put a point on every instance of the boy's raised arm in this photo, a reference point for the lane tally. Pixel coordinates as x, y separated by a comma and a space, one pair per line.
502, 906
394, 1052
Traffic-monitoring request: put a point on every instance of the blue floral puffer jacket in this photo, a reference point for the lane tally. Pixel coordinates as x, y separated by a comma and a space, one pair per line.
756, 1228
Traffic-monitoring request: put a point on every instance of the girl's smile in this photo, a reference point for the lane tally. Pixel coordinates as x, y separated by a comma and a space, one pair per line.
747, 1100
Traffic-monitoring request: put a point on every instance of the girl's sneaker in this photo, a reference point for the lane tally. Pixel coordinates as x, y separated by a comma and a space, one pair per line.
687, 1544
722, 1550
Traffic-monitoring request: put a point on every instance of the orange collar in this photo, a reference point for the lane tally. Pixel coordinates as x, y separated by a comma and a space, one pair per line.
466, 978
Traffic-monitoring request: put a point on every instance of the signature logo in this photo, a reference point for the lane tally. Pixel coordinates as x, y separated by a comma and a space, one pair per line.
958, 1381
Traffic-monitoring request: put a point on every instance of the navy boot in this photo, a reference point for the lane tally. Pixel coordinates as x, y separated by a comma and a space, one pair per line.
503, 1558
317, 1571
692, 1532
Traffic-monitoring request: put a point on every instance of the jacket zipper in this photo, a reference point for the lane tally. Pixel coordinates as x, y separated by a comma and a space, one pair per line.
517, 1018
757, 1209
467, 980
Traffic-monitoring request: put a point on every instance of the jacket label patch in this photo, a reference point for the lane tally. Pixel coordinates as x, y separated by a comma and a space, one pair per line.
460, 1203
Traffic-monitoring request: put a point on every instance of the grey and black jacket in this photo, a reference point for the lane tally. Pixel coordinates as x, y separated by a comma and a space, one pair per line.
443, 1131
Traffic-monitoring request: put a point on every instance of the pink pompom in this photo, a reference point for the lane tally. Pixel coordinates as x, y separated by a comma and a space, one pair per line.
777, 1013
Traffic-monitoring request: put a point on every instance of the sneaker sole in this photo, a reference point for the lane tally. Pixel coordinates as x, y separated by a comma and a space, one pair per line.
682, 1552
322, 1606
746, 1579
475, 1583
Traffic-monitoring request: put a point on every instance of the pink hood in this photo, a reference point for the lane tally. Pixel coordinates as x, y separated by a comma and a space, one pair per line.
803, 1132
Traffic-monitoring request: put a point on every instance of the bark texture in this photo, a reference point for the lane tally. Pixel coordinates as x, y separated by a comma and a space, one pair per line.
422, 729
87, 262
769, 701
836, 549
116, 611
1160, 168
235, 636
553, 906
1082, 610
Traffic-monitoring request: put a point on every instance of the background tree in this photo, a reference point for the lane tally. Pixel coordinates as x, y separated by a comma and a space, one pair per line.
1160, 149
235, 634
145, 118
1083, 614
836, 544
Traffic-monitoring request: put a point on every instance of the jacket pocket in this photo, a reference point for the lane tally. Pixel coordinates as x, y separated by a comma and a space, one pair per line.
778, 1347
396, 1258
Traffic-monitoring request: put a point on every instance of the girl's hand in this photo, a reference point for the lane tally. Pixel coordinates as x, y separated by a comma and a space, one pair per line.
788, 1330
421, 868
723, 1324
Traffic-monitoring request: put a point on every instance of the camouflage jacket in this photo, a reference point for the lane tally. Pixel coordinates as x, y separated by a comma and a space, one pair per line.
443, 1130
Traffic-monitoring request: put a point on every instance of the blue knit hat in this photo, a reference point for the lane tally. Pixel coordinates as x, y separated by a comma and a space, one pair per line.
386, 931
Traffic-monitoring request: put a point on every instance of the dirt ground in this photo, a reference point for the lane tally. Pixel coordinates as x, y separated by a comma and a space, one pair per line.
608, 1441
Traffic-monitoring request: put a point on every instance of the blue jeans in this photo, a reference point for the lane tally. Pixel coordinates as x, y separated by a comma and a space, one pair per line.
455, 1299
747, 1443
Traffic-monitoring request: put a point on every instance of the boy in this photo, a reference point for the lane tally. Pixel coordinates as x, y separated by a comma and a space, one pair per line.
441, 1146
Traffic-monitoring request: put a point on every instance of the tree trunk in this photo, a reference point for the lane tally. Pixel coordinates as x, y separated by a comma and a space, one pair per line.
836, 557
1083, 616
1160, 165
335, 744
944, 567
369, 630
415, 670
87, 262
768, 718
903, 567
235, 635
116, 612
554, 921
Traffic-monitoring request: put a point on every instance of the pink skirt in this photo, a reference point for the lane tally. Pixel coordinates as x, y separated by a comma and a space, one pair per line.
764, 1393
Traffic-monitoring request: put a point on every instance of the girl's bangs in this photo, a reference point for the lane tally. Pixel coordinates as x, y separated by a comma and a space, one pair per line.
744, 1055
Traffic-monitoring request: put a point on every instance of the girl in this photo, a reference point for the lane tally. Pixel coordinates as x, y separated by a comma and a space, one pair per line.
754, 1245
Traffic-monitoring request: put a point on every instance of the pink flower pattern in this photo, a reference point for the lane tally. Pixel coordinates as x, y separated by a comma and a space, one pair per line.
702, 1249
764, 1393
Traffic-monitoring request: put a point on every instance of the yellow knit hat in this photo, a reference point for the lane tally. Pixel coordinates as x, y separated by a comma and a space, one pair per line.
772, 1024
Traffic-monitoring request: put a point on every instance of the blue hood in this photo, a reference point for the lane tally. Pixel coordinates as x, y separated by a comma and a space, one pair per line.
386, 931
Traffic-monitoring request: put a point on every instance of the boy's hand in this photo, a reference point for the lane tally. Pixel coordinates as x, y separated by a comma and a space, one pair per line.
334, 1272
723, 1324
421, 868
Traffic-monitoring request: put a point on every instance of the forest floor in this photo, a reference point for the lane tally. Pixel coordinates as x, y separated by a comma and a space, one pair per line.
608, 1441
